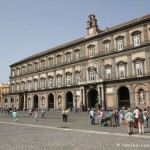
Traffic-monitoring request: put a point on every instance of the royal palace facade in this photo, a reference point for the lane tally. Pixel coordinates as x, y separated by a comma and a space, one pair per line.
107, 68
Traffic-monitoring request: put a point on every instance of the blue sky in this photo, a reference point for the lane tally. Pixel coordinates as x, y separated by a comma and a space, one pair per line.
31, 26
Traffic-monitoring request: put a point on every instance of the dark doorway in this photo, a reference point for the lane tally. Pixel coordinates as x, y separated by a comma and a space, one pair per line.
69, 100
123, 97
22, 102
92, 98
35, 102
50, 101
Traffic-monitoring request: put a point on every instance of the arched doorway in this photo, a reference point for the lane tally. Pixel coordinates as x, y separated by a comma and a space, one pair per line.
50, 101
35, 101
92, 98
123, 97
69, 100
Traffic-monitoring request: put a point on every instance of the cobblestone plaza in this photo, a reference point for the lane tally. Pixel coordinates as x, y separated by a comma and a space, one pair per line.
76, 134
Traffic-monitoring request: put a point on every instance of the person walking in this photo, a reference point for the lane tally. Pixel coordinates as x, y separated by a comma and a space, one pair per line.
140, 121
136, 111
14, 114
43, 113
122, 117
129, 120
99, 117
146, 115
30, 113
66, 114
116, 117
92, 116
109, 115
36, 115
63, 115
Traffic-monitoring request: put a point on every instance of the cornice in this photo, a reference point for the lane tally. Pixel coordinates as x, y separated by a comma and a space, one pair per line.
109, 31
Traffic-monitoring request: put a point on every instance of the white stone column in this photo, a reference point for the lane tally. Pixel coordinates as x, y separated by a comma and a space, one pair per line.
64, 100
55, 101
24, 105
9, 103
32, 102
46, 81
102, 94
54, 81
83, 96
14, 102
39, 101
46, 101
73, 75
99, 93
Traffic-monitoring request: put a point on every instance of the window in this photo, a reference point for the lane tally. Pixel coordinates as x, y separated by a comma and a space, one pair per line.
23, 86
68, 57
120, 44
36, 65
136, 40
121, 69
18, 71
12, 100
29, 67
23, 69
42, 63
42, 83
108, 73
50, 82
18, 86
50, 61
91, 52
139, 66
29, 85
78, 78
139, 69
122, 72
5, 100
12, 88
106, 47
68, 79
77, 55
59, 59
35, 84
59, 81
92, 76
13, 73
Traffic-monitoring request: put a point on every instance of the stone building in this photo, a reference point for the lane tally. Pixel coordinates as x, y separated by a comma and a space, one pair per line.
106, 68
4, 90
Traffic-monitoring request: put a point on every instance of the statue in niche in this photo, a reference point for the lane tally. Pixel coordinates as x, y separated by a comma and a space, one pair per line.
141, 97
43, 101
60, 102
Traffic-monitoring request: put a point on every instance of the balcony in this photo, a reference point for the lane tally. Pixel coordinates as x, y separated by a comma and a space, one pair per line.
90, 82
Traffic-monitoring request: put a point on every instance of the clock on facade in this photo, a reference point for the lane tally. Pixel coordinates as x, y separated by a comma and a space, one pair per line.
91, 31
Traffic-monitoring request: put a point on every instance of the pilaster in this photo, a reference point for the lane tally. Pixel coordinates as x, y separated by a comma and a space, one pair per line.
129, 66
113, 69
